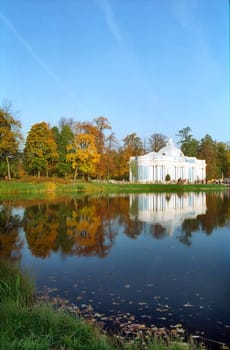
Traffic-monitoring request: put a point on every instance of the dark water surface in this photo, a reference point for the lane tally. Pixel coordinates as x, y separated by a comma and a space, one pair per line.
163, 258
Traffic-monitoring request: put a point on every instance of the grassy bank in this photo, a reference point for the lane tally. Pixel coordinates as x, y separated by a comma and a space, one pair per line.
53, 187
25, 324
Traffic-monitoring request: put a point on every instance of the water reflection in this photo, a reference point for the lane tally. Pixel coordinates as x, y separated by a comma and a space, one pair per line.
88, 226
167, 212
10, 242
128, 254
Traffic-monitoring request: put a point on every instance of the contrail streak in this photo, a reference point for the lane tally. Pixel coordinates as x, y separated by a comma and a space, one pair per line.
29, 49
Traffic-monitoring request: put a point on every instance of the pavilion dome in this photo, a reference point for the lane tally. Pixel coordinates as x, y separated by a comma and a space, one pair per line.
171, 150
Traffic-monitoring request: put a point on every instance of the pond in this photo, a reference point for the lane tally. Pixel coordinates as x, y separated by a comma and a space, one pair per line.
155, 259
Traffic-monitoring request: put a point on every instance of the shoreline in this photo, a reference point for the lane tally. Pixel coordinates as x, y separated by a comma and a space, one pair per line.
125, 328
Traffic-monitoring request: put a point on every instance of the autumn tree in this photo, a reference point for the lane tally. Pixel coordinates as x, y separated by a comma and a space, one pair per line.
63, 136
40, 151
108, 157
188, 144
10, 137
83, 155
102, 124
156, 142
132, 146
97, 130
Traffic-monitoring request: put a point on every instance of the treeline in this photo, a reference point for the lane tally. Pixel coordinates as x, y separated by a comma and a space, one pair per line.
90, 149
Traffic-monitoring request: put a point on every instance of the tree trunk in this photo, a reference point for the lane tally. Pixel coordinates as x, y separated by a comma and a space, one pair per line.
8, 168
75, 175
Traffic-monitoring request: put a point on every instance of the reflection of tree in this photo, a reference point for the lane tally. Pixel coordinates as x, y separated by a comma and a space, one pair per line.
188, 227
132, 226
217, 215
158, 231
41, 229
218, 212
90, 228
10, 243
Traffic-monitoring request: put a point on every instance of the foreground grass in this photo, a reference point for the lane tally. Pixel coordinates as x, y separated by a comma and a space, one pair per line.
25, 324
54, 187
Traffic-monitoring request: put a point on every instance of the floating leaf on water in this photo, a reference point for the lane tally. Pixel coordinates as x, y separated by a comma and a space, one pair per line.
188, 304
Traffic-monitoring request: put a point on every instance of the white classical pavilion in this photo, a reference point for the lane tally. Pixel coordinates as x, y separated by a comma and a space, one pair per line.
170, 160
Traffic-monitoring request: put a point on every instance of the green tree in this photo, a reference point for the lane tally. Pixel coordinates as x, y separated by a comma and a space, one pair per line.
222, 159
188, 144
207, 151
10, 137
63, 136
40, 151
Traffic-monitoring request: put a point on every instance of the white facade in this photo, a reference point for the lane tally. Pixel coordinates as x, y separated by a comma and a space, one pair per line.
170, 160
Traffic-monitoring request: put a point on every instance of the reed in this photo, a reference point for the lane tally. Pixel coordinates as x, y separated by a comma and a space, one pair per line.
14, 286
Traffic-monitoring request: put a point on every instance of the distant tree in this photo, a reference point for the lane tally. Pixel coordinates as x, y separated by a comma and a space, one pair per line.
83, 155
10, 137
228, 159
222, 161
108, 157
132, 146
188, 144
156, 142
207, 151
40, 151
63, 136
102, 124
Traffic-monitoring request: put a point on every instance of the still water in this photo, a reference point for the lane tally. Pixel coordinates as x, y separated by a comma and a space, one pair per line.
162, 258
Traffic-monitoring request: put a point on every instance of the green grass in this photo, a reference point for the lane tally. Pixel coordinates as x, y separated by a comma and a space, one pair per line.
15, 287
51, 187
27, 325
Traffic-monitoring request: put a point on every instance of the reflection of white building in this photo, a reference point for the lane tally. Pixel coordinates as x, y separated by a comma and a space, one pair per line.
168, 209
154, 166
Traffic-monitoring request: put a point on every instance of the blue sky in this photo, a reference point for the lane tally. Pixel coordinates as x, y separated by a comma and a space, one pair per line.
149, 66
